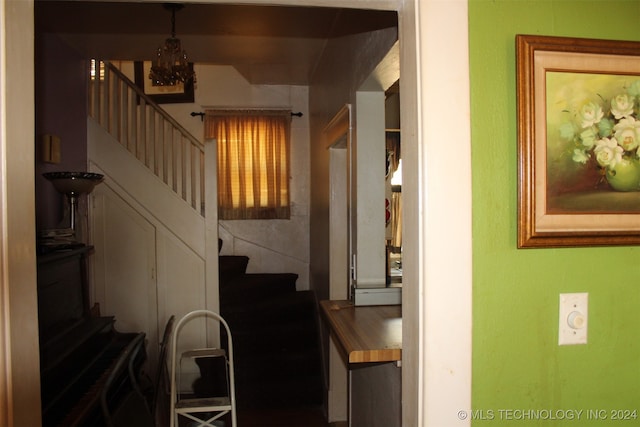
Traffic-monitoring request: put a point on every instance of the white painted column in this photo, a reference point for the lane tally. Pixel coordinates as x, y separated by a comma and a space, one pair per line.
370, 170
441, 209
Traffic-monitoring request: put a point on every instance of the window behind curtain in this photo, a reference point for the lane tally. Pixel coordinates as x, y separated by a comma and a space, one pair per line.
253, 162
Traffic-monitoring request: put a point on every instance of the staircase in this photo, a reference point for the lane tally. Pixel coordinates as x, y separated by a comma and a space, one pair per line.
275, 334
275, 328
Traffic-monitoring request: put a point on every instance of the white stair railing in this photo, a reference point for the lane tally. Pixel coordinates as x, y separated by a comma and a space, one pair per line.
149, 133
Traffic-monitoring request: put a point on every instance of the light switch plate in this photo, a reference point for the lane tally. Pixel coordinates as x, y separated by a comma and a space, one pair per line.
573, 320
50, 148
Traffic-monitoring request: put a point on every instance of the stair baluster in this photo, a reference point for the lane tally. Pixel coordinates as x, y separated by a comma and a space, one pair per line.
148, 132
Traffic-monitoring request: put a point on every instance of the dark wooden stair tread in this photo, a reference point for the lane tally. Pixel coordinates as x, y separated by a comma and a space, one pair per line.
276, 337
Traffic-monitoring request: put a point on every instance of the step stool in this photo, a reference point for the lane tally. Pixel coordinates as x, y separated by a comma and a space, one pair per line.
202, 411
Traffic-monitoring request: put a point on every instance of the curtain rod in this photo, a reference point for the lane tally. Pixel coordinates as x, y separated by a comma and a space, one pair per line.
201, 114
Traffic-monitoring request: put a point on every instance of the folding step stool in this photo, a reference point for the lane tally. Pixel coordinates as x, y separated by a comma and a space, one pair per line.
212, 408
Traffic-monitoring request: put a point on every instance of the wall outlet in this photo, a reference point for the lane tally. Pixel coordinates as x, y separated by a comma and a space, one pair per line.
573, 321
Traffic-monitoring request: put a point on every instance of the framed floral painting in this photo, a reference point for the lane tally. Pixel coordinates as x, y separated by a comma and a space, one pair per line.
578, 110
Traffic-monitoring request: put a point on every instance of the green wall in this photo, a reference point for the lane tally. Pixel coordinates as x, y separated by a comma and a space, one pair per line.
517, 363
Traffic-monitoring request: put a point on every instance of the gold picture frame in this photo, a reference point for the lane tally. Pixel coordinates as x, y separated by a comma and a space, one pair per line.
571, 113
180, 93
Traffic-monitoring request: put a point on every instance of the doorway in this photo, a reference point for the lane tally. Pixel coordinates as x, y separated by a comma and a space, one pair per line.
441, 20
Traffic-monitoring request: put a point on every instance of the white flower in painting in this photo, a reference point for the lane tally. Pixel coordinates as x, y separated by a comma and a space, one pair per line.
627, 133
608, 152
590, 114
606, 133
622, 106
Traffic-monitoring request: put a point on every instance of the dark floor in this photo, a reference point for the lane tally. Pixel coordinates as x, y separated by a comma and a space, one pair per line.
282, 417
299, 417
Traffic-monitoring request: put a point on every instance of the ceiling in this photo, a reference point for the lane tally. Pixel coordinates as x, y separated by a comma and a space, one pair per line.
266, 44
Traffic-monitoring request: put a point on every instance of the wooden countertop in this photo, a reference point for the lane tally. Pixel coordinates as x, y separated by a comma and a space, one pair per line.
366, 333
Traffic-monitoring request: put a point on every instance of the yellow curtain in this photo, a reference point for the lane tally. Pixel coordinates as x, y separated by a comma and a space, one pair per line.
253, 162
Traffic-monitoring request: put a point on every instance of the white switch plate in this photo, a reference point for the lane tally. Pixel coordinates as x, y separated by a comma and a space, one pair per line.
573, 321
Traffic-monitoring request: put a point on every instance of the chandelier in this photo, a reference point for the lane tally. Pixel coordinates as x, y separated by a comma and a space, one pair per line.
171, 66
